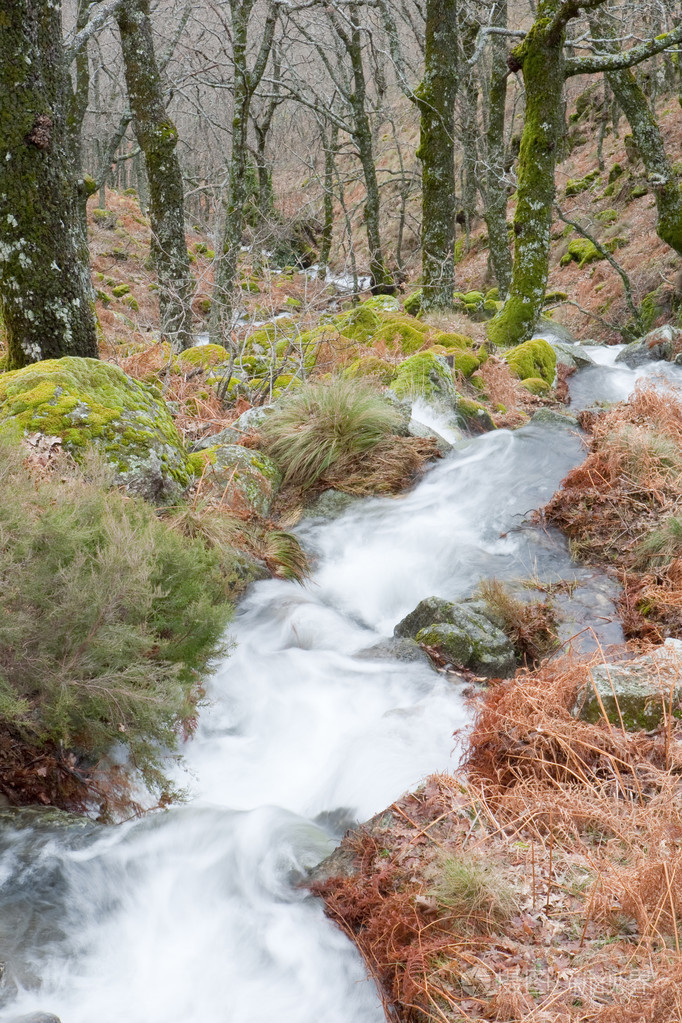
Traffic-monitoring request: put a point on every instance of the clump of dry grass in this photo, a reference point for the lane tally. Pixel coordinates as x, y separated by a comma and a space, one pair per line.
620, 506
542, 882
530, 625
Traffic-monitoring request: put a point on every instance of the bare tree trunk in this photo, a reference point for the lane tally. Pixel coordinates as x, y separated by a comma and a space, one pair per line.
158, 138
44, 282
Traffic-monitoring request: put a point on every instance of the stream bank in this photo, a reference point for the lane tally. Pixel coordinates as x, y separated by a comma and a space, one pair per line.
195, 914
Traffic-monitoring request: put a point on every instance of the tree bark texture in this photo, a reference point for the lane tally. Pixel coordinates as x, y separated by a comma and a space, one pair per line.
541, 60
157, 137
436, 100
495, 212
44, 280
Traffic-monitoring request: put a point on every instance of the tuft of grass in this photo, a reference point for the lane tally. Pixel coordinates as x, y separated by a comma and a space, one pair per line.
530, 625
661, 546
469, 888
326, 424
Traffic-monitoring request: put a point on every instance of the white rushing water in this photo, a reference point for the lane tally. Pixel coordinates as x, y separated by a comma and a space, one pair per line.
193, 915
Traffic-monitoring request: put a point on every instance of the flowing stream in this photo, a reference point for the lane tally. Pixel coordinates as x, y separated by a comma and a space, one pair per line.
193, 915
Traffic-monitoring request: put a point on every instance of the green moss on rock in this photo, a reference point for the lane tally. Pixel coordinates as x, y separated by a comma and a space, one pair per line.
413, 303
581, 251
535, 385
427, 376
574, 186
204, 356
533, 359
85, 401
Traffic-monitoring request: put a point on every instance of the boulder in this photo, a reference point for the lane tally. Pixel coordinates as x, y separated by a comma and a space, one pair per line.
463, 633
555, 418
246, 481
89, 402
417, 429
664, 343
250, 420
395, 649
330, 504
641, 692
427, 376
570, 355
36, 1017
535, 359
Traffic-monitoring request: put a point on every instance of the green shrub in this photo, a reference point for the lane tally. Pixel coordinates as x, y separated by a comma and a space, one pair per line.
325, 423
107, 617
662, 545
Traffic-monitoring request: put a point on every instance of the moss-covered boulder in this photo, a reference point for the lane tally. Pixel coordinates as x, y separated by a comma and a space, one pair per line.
473, 417
581, 251
372, 366
201, 357
400, 333
427, 376
453, 340
88, 402
359, 324
246, 481
574, 186
383, 303
639, 692
533, 359
413, 303
462, 634
535, 385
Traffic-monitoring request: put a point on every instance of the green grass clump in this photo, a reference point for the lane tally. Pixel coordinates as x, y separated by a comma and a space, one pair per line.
662, 545
108, 618
325, 423
468, 888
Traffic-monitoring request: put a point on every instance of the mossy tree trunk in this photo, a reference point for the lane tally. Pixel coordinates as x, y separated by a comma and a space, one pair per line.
157, 137
436, 100
650, 145
540, 57
330, 144
495, 211
44, 282
237, 192
382, 280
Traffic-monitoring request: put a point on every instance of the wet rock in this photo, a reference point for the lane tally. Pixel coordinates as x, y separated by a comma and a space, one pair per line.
330, 504
417, 429
396, 649
555, 418
664, 343
641, 691
464, 635
429, 377
570, 354
36, 1017
404, 409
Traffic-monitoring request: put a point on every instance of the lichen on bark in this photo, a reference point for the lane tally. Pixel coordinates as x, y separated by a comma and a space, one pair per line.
436, 100
44, 282
158, 139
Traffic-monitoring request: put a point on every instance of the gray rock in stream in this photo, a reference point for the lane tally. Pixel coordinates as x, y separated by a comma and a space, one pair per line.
395, 649
555, 418
570, 355
464, 635
35, 1017
418, 429
663, 343
641, 692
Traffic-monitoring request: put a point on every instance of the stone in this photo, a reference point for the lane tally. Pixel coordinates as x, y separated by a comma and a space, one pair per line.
417, 429
404, 410
36, 1017
226, 436
463, 634
395, 649
330, 504
247, 481
555, 418
427, 376
570, 355
87, 402
641, 691
664, 343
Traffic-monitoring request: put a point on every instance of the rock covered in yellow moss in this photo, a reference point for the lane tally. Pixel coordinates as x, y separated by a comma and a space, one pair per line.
85, 401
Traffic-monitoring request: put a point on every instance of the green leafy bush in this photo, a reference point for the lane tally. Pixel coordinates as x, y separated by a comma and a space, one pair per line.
323, 424
108, 618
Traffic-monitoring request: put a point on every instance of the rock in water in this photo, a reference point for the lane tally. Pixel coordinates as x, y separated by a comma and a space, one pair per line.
641, 692
36, 1017
664, 343
463, 634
